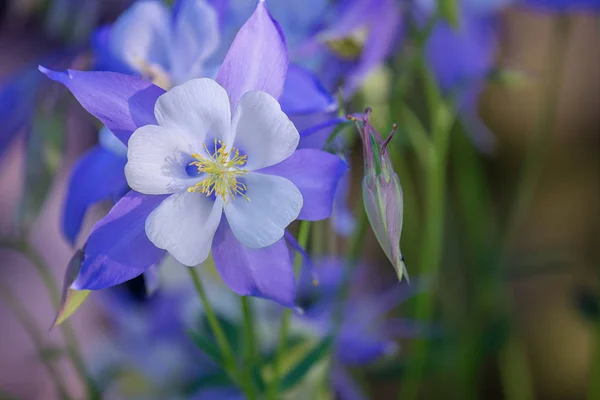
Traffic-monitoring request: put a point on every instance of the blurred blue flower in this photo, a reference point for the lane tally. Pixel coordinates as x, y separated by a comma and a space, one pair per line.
462, 57
563, 5
366, 333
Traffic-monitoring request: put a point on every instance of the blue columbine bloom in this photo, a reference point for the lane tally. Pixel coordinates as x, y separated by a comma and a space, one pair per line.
171, 46
248, 83
462, 57
366, 334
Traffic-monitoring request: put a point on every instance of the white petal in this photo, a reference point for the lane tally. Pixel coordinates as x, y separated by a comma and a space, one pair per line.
157, 158
141, 35
262, 131
184, 225
274, 203
199, 107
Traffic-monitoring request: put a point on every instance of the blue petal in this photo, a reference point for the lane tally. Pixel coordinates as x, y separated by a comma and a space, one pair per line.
195, 38
303, 93
122, 102
343, 220
118, 249
316, 174
98, 175
464, 56
257, 58
105, 59
266, 272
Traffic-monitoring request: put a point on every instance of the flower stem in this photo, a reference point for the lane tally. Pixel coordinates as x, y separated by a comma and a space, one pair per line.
434, 168
224, 346
514, 366
28, 323
303, 234
250, 344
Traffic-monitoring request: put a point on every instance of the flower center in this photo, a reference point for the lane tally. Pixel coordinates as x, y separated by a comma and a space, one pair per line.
222, 171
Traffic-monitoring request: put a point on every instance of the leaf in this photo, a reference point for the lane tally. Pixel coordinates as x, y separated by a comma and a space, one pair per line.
297, 373
44, 154
449, 10
207, 346
215, 379
71, 299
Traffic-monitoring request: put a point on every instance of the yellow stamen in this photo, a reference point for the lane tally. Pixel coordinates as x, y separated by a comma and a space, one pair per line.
222, 168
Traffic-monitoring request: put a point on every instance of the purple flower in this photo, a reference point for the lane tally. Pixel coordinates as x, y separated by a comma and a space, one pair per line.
179, 167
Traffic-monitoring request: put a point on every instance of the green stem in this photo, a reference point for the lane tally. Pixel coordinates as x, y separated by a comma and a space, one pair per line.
514, 365
434, 208
541, 140
593, 392
222, 342
250, 345
28, 323
303, 234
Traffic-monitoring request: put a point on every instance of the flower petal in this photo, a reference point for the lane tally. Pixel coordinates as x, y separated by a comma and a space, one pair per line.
274, 202
316, 174
199, 107
304, 94
122, 102
266, 272
195, 38
157, 158
97, 176
257, 58
184, 225
141, 35
118, 249
262, 131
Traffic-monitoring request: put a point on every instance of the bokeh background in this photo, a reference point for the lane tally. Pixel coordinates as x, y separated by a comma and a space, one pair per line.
542, 303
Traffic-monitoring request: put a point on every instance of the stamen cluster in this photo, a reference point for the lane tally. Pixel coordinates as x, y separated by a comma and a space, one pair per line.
222, 168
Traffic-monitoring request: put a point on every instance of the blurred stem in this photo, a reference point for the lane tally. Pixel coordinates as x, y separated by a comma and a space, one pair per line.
28, 323
303, 234
514, 365
434, 168
541, 140
72, 344
217, 330
593, 392
250, 349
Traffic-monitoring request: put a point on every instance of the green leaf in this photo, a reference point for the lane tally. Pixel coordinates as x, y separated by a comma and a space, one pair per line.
207, 346
216, 379
44, 154
449, 10
299, 371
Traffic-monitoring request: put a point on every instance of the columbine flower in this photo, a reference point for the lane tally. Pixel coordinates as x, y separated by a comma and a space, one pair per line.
382, 193
98, 175
189, 180
167, 46
193, 155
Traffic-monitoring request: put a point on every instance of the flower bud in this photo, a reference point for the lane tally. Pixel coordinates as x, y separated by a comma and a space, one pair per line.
382, 193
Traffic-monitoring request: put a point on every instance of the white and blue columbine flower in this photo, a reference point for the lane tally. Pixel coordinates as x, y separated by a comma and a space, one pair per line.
170, 46
213, 165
